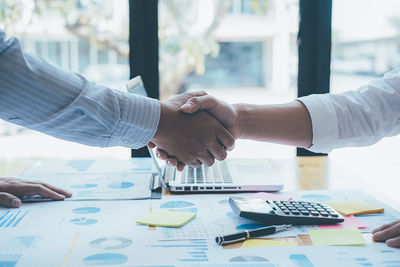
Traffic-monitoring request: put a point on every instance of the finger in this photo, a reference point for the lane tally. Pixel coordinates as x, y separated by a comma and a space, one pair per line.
225, 138
194, 104
55, 189
196, 93
180, 167
386, 234
151, 145
161, 154
207, 159
172, 161
218, 151
30, 189
9, 201
393, 242
194, 163
386, 226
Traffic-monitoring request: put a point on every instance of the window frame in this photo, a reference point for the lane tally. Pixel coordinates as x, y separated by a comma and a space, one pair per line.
314, 50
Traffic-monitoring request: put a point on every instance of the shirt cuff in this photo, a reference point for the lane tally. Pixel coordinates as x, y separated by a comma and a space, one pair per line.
324, 122
139, 120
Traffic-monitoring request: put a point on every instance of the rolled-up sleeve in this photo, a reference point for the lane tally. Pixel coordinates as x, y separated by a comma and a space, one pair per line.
324, 122
43, 97
355, 118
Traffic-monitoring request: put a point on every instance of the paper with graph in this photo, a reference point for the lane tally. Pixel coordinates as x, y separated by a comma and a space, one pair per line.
96, 179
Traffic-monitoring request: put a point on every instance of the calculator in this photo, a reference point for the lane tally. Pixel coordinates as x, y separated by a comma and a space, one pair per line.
276, 212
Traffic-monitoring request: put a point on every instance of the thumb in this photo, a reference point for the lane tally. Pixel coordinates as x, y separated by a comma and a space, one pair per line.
9, 200
151, 145
205, 102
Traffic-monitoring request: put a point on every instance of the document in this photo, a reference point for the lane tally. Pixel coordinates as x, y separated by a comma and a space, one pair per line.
96, 180
66, 216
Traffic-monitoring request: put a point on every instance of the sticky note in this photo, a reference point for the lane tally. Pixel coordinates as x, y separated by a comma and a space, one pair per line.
337, 237
254, 243
269, 196
167, 218
349, 222
355, 207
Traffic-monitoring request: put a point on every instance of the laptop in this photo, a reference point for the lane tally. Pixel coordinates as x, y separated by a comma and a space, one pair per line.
224, 176
230, 175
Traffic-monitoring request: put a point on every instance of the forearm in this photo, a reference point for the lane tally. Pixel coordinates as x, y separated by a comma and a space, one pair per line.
288, 124
46, 98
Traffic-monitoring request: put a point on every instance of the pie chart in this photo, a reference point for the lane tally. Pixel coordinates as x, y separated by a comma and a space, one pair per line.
120, 185
83, 221
105, 259
111, 243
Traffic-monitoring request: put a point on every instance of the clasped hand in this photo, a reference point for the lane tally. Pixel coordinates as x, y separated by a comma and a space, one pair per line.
193, 139
218, 120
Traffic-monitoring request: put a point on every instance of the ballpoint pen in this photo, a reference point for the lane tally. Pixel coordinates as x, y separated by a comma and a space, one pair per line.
237, 237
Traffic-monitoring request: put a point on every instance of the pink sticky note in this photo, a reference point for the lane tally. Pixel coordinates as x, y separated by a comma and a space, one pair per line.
269, 196
349, 222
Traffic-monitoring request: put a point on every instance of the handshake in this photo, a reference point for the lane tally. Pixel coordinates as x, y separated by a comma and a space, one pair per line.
195, 129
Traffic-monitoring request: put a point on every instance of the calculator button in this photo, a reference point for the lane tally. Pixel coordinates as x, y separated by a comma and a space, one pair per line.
325, 214
295, 212
314, 213
286, 211
304, 212
334, 215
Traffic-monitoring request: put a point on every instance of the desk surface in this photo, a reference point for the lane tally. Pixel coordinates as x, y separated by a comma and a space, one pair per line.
301, 173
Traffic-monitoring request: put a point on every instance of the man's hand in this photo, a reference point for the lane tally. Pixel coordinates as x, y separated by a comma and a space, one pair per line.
191, 139
226, 114
12, 188
389, 233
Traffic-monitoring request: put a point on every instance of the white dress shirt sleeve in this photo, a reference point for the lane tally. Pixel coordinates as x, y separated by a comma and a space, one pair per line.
355, 118
43, 97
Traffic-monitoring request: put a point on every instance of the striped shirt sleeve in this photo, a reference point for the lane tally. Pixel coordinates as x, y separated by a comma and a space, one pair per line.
43, 97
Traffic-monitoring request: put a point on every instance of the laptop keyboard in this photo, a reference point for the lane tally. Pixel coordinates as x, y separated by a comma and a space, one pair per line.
217, 174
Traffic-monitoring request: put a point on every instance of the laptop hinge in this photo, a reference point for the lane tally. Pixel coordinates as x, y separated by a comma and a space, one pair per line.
155, 184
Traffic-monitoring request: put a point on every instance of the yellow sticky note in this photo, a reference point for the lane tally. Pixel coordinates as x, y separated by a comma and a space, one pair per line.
167, 218
337, 237
355, 207
254, 243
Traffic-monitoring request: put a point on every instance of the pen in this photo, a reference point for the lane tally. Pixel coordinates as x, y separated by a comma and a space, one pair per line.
237, 237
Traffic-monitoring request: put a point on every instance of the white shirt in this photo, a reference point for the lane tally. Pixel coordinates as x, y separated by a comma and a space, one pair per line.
355, 118
41, 96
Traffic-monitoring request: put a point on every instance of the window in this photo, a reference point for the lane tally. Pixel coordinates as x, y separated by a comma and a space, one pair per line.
365, 42
89, 37
238, 50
